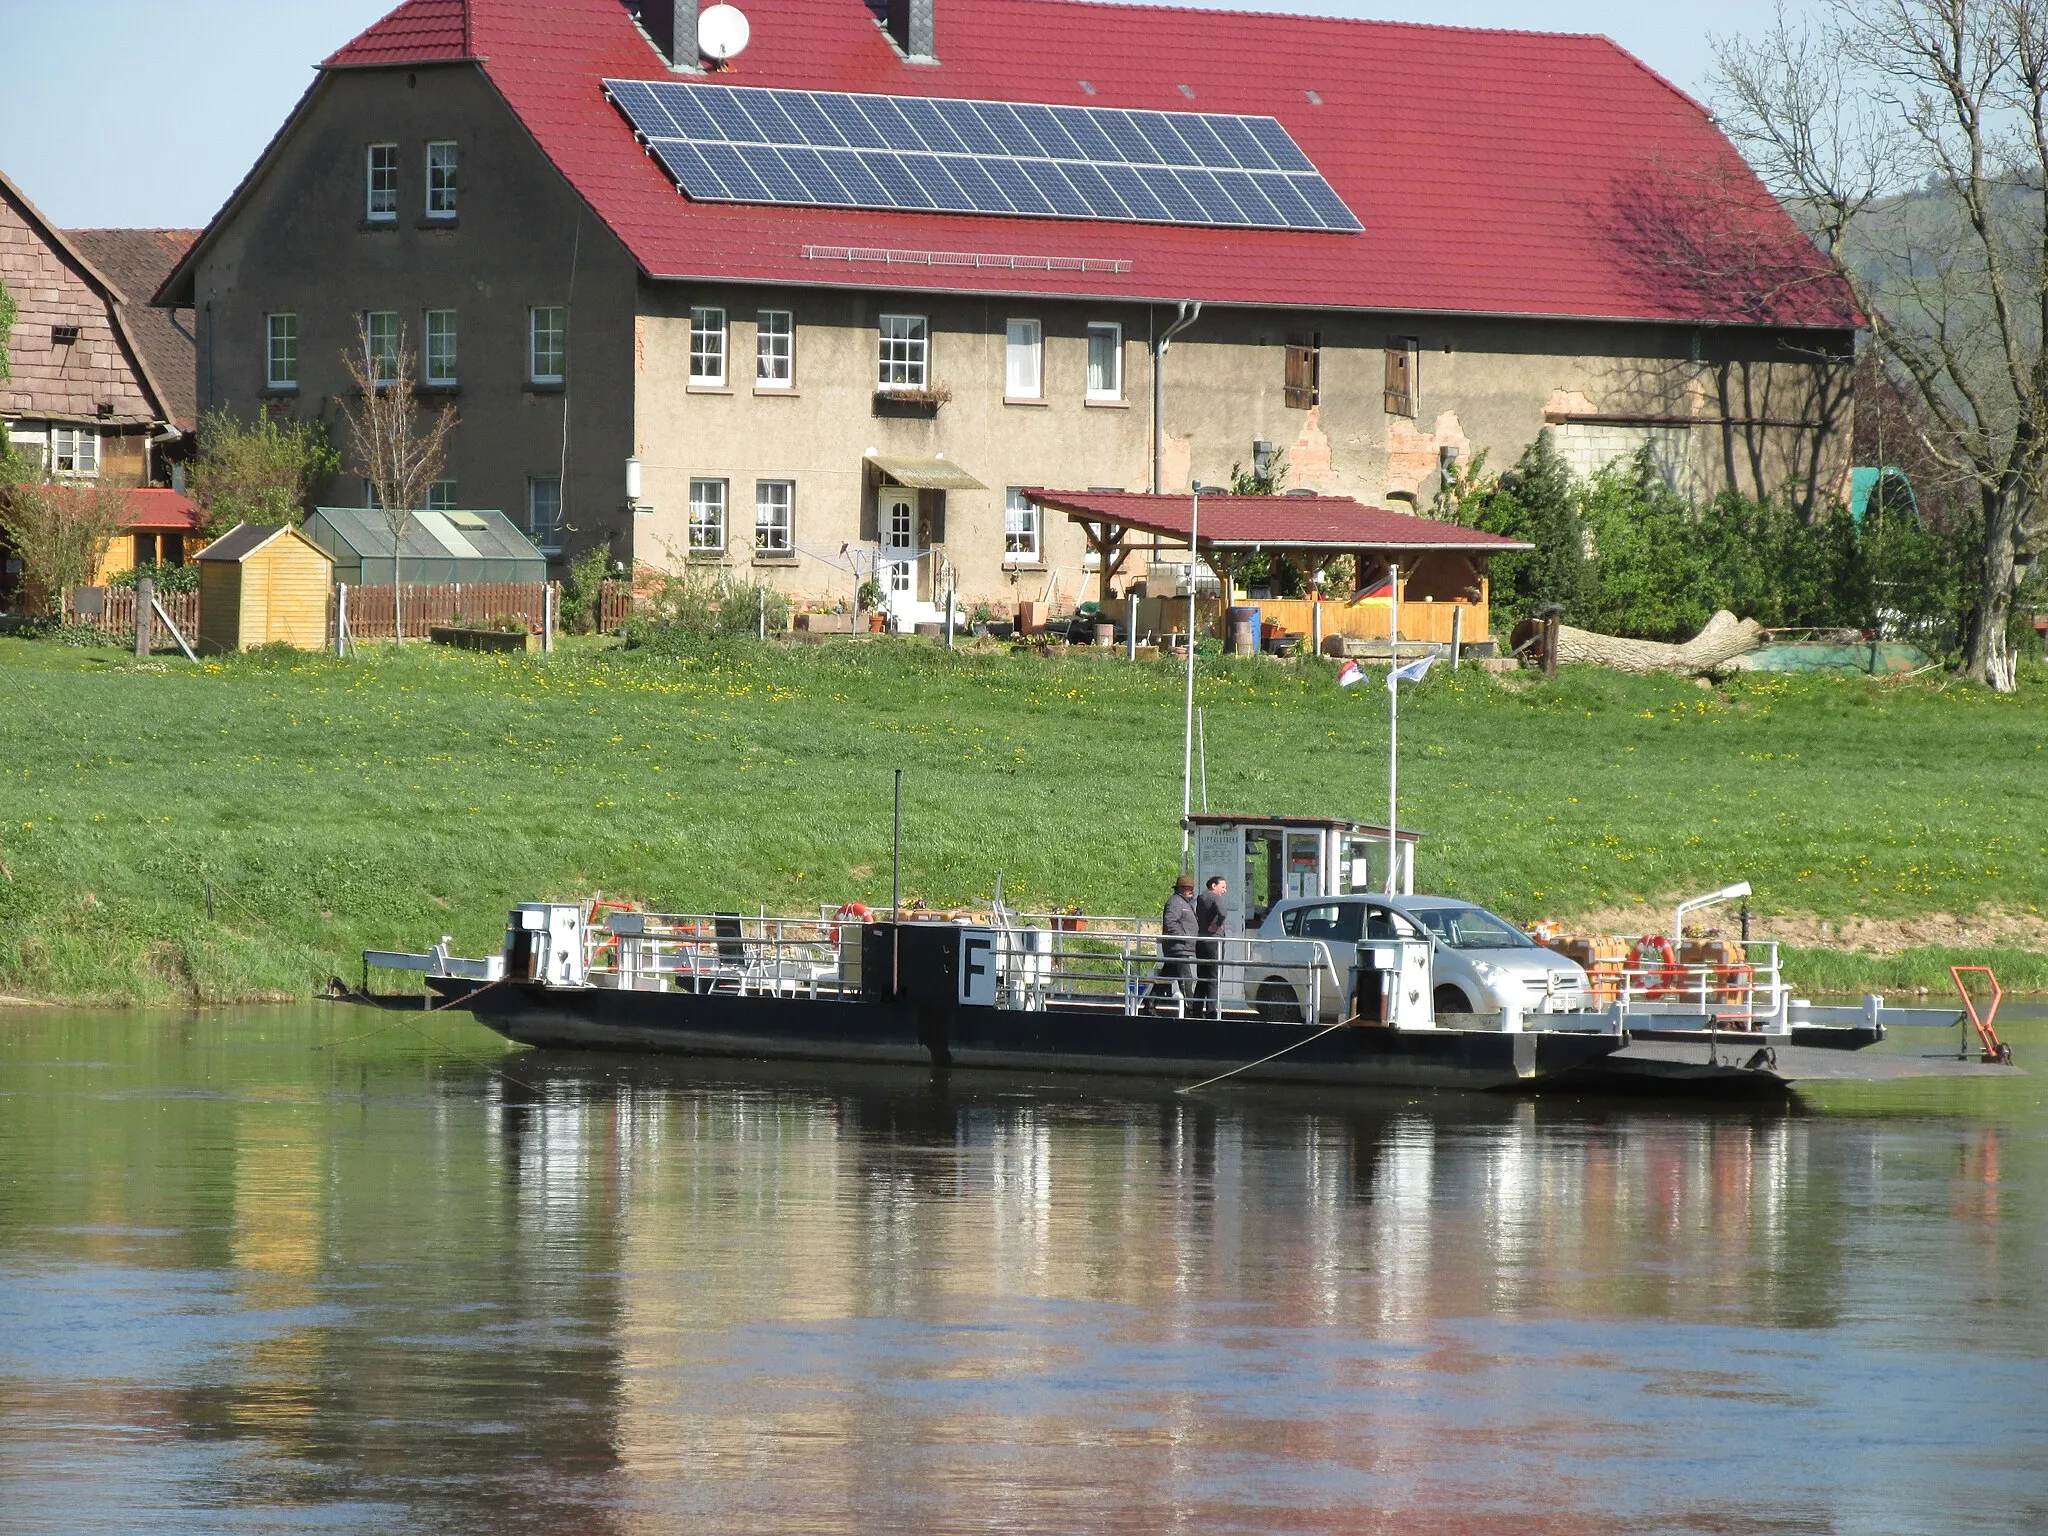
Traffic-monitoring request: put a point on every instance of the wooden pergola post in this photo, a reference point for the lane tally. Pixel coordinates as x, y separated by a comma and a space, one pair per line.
1106, 541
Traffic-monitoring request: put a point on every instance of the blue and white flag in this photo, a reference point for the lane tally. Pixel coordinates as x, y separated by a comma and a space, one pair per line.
1412, 673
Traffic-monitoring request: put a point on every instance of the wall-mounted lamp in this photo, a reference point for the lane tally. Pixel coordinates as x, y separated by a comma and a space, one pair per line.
633, 503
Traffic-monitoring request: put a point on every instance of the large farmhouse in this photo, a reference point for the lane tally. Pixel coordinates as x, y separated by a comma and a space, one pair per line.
844, 295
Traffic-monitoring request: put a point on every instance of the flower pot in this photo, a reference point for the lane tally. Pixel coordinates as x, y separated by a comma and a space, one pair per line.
878, 623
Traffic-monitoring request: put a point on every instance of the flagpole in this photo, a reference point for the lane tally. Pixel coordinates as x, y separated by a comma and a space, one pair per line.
1187, 751
1393, 720
1393, 804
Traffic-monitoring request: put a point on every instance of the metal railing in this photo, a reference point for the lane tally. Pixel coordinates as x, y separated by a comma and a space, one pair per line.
1748, 994
1037, 963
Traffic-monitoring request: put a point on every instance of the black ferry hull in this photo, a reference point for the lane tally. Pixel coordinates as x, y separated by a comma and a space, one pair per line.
1054, 1039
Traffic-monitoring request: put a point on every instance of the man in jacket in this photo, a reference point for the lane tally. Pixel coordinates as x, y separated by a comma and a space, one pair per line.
1212, 917
1177, 929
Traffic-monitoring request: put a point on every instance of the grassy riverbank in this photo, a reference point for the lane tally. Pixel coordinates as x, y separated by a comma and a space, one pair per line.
332, 805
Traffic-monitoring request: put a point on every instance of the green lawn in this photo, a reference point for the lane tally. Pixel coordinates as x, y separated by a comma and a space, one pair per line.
388, 800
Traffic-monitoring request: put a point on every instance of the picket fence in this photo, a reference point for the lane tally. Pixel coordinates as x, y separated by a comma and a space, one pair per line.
372, 614
370, 609
116, 616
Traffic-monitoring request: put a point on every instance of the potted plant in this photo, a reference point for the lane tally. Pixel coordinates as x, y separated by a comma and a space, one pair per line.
868, 599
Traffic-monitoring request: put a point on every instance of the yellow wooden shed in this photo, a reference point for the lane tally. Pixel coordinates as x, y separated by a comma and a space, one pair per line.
263, 586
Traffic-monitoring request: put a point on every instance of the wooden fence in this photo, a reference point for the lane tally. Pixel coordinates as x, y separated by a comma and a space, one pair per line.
486, 603
614, 606
116, 616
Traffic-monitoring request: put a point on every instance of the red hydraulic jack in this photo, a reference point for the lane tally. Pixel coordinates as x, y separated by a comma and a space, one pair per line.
1996, 1051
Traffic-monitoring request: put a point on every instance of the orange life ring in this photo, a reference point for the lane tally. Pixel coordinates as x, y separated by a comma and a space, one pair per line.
849, 912
1665, 980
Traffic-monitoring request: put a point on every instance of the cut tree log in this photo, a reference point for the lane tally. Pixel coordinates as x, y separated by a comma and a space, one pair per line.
1723, 639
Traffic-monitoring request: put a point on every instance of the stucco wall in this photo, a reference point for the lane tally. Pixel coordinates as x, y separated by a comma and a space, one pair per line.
1480, 386
298, 243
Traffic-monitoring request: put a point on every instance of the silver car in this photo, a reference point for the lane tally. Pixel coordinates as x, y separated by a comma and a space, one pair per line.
1481, 961
1484, 962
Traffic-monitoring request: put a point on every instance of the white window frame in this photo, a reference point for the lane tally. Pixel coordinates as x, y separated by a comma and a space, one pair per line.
774, 517
444, 163
1023, 526
380, 184
904, 358
1024, 360
281, 350
708, 347
74, 451
548, 538
552, 321
775, 349
1098, 330
439, 364
380, 328
710, 502
441, 495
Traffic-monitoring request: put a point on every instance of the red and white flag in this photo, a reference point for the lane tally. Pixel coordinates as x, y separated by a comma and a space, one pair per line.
1351, 673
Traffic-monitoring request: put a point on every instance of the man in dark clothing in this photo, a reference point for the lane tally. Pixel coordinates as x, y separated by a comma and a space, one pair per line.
1211, 917
1177, 928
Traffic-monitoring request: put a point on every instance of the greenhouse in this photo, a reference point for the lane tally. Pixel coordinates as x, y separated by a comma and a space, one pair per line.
439, 547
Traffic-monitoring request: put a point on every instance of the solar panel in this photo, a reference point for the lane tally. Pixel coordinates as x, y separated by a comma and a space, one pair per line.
746, 144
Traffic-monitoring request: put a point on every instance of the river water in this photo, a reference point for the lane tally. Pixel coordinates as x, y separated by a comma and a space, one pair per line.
413, 1282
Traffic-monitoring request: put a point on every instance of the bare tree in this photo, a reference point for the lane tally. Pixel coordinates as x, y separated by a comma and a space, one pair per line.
396, 444
1912, 138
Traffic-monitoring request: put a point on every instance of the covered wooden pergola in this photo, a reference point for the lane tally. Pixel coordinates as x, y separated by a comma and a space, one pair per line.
1414, 571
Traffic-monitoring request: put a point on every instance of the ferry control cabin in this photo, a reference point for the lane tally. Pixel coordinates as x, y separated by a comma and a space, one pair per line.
1275, 858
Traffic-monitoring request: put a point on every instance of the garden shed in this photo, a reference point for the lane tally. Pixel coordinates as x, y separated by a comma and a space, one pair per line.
439, 548
260, 585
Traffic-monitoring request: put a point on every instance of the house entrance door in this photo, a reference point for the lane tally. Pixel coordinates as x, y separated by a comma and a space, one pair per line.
899, 551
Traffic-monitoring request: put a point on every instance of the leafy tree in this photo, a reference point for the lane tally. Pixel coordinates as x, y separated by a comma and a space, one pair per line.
1535, 502
61, 532
258, 472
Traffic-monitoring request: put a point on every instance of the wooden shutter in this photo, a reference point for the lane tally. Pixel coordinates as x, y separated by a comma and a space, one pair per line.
1400, 397
1304, 371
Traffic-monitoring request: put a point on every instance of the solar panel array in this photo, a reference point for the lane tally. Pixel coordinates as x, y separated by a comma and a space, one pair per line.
742, 144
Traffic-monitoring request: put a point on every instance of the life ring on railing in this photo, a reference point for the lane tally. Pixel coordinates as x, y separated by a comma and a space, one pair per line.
1667, 978
606, 952
849, 912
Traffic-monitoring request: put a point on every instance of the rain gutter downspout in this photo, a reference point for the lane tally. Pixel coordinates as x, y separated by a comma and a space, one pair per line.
1190, 310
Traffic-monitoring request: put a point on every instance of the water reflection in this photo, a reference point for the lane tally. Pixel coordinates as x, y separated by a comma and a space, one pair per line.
249, 1285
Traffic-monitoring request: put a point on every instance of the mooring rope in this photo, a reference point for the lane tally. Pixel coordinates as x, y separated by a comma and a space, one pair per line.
420, 1012
1297, 1045
405, 1021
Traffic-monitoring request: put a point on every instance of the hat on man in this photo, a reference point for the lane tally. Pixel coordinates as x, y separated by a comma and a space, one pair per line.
1184, 883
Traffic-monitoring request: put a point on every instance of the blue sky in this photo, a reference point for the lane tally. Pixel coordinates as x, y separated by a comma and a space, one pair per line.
159, 106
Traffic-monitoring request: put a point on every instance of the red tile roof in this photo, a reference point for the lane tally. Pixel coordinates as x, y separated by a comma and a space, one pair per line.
1273, 522
156, 510
1496, 172
418, 32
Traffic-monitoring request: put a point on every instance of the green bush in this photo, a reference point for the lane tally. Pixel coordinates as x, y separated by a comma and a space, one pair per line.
168, 578
694, 605
1624, 554
582, 595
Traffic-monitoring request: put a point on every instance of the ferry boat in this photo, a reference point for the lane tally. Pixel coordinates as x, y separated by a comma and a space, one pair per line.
1058, 992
